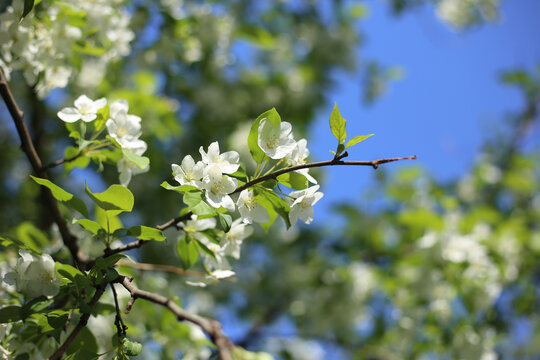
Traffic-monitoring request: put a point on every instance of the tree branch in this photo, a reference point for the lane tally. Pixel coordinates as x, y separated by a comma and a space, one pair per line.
334, 162
69, 239
82, 323
210, 326
61, 161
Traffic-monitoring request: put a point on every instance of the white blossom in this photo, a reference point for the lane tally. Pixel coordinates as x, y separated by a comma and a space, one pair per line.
218, 187
85, 109
299, 156
249, 209
126, 168
189, 173
275, 140
302, 206
227, 162
232, 241
34, 275
122, 127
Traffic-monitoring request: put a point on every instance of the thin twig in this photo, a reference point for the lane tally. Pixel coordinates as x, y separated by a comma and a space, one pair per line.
210, 326
61, 161
69, 239
82, 323
334, 162
118, 322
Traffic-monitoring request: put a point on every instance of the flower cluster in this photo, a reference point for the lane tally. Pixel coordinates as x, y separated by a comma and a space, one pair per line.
211, 174
123, 128
229, 245
34, 276
45, 47
216, 178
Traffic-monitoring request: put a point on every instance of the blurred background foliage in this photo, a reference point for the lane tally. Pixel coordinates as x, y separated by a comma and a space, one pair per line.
440, 271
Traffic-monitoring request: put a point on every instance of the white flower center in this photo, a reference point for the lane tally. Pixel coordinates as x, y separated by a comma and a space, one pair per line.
122, 131
217, 187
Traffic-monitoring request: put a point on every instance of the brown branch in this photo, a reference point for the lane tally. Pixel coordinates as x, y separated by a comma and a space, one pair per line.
334, 162
82, 323
69, 239
210, 326
61, 161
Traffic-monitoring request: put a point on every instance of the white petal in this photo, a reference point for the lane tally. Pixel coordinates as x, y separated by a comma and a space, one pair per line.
88, 117
82, 101
69, 115
260, 214
99, 104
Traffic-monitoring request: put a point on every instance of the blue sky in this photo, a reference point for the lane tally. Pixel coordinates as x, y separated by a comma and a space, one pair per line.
448, 102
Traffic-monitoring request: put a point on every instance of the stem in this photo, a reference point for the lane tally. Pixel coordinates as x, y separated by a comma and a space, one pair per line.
334, 162
210, 326
82, 323
69, 239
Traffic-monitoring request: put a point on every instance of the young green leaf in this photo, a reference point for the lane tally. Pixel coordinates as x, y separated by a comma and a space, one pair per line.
294, 180
197, 205
146, 233
188, 252
225, 220
275, 206
337, 125
10, 314
62, 195
180, 189
115, 199
28, 5
90, 225
257, 153
355, 140
140, 161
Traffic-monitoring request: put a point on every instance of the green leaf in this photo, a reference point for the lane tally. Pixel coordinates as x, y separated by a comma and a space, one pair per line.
294, 180
30, 235
225, 220
116, 199
146, 233
337, 125
197, 205
108, 220
103, 263
85, 345
79, 162
204, 248
5, 241
10, 314
62, 195
58, 193
35, 306
28, 5
355, 140
90, 225
142, 162
180, 189
275, 206
257, 153
187, 250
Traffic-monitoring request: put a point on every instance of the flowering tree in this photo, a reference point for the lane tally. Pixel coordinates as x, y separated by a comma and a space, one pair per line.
89, 277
